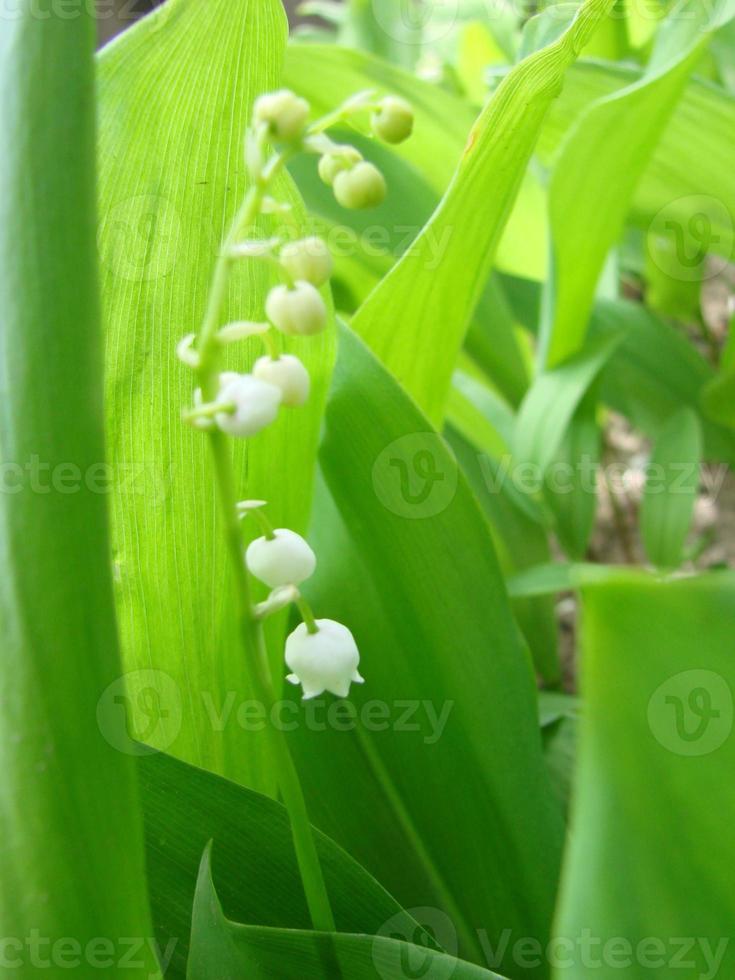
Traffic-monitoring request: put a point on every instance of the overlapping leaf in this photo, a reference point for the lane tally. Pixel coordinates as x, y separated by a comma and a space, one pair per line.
257, 876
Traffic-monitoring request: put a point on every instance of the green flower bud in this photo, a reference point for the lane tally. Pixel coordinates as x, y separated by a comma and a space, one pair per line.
308, 259
393, 121
361, 187
284, 113
299, 311
332, 164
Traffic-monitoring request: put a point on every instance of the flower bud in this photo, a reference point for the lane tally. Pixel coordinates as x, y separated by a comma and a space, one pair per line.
256, 405
287, 373
361, 187
308, 259
323, 661
393, 120
283, 112
297, 311
332, 164
285, 559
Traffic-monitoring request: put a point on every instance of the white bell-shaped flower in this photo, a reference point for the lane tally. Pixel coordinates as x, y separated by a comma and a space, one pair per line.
308, 259
283, 112
334, 162
203, 422
287, 373
363, 186
323, 661
284, 559
297, 311
256, 405
393, 120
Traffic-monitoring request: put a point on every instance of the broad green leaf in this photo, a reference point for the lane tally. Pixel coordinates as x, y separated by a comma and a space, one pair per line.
175, 95
554, 397
257, 876
650, 822
672, 482
588, 204
220, 948
73, 869
442, 120
434, 305
408, 563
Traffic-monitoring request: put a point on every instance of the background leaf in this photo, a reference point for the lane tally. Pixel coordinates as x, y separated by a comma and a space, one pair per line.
587, 203
671, 490
649, 781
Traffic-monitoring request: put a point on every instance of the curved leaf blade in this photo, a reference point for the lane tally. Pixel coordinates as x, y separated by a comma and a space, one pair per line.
440, 650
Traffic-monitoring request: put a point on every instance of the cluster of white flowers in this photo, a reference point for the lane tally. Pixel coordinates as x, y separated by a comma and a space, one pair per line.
247, 403
321, 654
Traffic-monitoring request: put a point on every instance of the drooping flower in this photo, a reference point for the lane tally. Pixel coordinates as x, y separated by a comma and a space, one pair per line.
296, 311
335, 161
323, 661
393, 119
255, 405
283, 112
362, 186
287, 373
308, 259
284, 559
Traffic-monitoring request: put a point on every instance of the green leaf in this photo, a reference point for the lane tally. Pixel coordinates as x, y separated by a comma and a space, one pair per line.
220, 948
257, 874
672, 482
654, 372
656, 738
449, 697
670, 190
556, 577
72, 833
520, 542
588, 205
175, 94
553, 398
570, 487
434, 303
